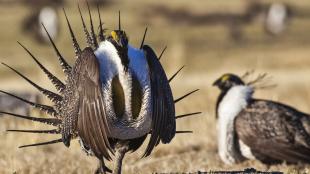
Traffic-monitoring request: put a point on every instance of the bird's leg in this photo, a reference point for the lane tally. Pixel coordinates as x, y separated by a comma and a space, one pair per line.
119, 156
102, 168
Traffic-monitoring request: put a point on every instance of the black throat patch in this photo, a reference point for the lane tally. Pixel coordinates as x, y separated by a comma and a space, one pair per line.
122, 51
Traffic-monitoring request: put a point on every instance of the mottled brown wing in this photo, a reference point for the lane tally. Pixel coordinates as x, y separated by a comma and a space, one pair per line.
163, 111
274, 131
92, 122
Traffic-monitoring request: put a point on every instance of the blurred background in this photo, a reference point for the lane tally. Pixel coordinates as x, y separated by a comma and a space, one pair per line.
208, 37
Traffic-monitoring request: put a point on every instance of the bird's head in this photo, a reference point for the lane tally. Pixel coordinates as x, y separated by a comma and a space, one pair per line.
226, 81
119, 38
120, 41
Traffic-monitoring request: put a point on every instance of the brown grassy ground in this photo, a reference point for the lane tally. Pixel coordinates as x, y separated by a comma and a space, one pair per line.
207, 51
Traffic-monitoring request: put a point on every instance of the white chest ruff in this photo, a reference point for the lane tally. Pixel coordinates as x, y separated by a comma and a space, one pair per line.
245, 150
233, 102
110, 66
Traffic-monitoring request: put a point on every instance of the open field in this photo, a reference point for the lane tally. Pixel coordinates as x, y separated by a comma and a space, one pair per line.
206, 50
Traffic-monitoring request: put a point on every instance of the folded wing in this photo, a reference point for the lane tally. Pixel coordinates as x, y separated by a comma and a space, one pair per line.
163, 111
274, 132
92, 123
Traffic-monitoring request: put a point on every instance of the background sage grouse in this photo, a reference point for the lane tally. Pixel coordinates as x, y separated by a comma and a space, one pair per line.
113, 97
265, 130
42, 11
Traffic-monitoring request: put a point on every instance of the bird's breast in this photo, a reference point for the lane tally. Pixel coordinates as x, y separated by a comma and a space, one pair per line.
127, 94
232, 104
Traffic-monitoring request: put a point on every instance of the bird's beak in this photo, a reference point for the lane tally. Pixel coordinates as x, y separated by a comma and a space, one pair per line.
118, 39
217, 82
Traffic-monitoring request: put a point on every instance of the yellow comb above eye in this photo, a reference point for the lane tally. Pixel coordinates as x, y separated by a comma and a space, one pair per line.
114, 35
224, 78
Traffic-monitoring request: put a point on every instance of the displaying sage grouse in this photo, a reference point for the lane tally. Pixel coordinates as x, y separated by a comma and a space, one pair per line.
113, 97
265, 130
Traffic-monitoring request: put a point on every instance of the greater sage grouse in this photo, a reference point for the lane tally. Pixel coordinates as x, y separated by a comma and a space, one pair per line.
42, 11
113, 97
265, 130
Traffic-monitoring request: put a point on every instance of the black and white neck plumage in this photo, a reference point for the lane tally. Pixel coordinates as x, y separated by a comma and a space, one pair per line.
250, 128
113, 97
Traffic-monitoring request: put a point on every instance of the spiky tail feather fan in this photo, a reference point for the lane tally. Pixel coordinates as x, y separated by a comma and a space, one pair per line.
57, 99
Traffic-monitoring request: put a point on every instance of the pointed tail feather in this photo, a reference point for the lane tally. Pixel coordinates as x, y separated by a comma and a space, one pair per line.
49, 121
76, 46
92, 31
176, 73
53, 131
187, 115
57, 83
87, 36
186, 95
48, 109
119, 21
142, 42
183, 132
52, 96
177, 132
101, 31
162, 52
43, 143
63, 63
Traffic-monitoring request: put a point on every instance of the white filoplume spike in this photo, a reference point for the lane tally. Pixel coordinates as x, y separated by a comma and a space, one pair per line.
111, 66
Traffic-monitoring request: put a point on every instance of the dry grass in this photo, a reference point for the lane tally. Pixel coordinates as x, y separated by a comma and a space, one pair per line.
206, 50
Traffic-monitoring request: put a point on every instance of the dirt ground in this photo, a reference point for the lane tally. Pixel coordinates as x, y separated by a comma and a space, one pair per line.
207, 50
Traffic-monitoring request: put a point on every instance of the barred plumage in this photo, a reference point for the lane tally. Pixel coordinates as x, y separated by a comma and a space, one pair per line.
251, 128
104, 76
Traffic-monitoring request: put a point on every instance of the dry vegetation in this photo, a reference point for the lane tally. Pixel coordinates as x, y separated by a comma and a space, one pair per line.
207, 52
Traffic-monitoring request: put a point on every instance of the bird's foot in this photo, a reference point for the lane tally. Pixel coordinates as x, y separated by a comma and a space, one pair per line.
102, 169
